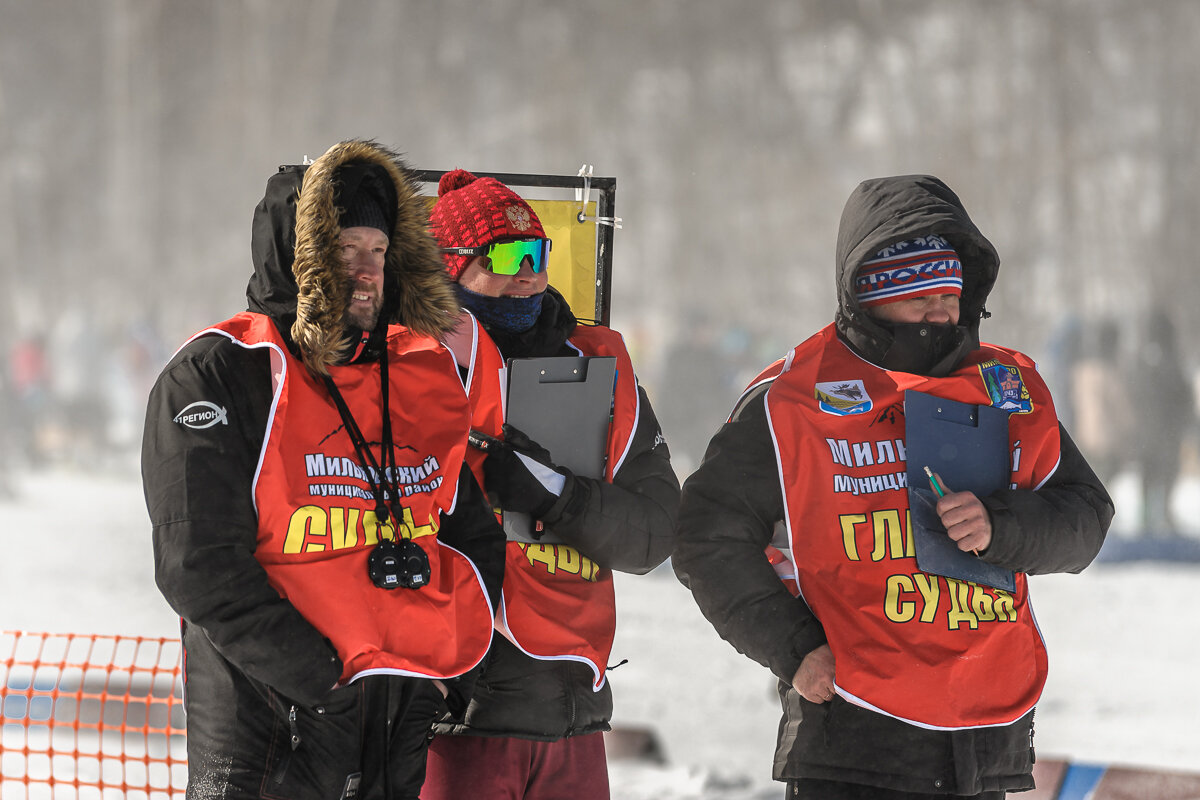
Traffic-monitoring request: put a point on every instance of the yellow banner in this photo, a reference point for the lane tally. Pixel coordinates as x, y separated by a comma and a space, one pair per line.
573, 255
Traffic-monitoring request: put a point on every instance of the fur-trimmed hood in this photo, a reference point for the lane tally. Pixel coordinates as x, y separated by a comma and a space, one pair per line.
298, 280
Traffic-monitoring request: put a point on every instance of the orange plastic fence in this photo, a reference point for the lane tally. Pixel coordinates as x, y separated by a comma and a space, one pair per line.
90, 717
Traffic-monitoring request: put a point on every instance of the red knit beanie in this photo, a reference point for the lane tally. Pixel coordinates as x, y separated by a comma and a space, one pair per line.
472, 212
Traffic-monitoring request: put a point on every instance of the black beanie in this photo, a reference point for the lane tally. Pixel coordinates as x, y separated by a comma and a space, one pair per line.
366, 197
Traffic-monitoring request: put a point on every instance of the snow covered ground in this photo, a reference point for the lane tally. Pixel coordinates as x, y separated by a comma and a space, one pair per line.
1124, 642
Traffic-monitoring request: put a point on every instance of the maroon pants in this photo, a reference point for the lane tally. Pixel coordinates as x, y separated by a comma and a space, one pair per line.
491, 768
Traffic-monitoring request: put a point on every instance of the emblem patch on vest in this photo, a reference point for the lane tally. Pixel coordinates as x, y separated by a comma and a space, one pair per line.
1005, 387
843, 398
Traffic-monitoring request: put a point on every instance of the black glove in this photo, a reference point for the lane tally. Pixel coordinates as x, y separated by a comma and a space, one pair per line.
521, 476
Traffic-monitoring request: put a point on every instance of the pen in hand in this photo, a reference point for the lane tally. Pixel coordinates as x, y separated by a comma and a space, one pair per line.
940, 489
935, 482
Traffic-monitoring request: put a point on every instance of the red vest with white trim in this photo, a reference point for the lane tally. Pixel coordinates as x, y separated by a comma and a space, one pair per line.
485, 377
936, 652
557, 603
316, 518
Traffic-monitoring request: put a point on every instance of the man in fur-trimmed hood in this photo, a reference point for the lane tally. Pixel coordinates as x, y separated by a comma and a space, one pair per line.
334, 563
297, 278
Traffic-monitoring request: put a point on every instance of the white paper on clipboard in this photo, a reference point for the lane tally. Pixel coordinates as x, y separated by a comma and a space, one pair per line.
564, 403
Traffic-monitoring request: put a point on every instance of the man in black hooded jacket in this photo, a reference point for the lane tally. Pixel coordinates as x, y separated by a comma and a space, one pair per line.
334, 562
895, 683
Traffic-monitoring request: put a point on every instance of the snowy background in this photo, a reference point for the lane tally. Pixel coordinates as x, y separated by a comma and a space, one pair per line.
136, 137
1124, 640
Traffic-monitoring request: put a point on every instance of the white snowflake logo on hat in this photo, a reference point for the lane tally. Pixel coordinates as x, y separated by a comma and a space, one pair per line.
518, 217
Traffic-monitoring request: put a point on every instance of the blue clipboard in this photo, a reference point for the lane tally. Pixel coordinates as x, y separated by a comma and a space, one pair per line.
564, 403
967, 446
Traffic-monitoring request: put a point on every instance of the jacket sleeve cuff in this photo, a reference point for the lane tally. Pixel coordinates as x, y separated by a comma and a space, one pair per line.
1002, 520
570, 500
323, 680
785, 668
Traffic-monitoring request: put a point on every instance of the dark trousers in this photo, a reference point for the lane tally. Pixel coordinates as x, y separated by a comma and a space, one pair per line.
365, 741
807, 789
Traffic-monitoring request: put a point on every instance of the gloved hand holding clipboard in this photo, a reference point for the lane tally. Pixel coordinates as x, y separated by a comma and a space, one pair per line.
968, 446
564, 404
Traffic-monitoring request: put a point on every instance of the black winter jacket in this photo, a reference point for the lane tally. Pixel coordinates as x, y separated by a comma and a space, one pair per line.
627, 525
731, 504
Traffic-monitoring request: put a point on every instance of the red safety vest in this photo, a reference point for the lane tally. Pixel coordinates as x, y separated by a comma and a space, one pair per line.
935, 652
474, 351
557, 603
316, 519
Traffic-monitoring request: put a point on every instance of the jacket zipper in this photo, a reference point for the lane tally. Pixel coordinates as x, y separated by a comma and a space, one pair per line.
1032, 751
570, 701
294, 741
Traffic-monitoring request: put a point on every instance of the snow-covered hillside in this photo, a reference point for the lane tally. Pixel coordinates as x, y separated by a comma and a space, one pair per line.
1124, 641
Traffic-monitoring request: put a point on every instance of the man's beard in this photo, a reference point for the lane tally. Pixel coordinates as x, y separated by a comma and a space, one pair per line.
363, 319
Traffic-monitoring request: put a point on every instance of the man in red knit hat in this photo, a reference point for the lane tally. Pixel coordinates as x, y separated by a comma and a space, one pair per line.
534, 728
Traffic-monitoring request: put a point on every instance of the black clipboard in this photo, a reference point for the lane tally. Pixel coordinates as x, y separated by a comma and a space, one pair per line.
967, 446
563, 403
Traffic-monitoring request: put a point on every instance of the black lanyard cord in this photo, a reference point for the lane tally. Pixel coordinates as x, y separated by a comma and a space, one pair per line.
379, 476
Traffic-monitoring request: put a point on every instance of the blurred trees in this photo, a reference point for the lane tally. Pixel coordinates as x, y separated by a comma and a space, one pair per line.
136, 137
